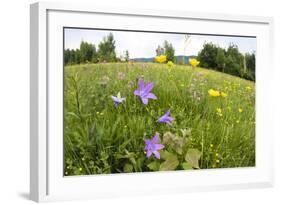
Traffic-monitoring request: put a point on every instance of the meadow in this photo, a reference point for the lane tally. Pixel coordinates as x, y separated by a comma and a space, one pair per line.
213, 116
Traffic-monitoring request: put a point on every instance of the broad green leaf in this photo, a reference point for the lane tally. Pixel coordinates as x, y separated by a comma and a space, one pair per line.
186, 166
179, 144
170, 163
168, 138
154, 166
165, 154
192, 157
128, 168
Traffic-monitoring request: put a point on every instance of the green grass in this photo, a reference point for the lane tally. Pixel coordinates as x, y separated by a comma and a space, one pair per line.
101, 138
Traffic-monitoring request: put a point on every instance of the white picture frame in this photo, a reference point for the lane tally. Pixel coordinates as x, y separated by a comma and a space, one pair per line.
46, 177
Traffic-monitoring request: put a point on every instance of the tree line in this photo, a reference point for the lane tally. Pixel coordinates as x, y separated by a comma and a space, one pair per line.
211, 56
89, 53
228, 60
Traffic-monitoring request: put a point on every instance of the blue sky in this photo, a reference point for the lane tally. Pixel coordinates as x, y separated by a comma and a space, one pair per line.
143, 44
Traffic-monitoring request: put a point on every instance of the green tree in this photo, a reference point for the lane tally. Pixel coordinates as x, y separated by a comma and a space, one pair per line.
77, 57
207, 56
66, 57
169, 51
71, 57
106, 51
95, 58
86, 52
221, 59
127, 56
235, 62
250, 59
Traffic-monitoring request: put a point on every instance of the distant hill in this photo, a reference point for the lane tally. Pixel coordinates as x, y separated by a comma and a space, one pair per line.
179, 59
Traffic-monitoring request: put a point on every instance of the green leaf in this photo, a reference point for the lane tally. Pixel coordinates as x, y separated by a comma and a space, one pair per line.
165, 154
186, 166
128, 168
192, 157
154, 166
170, 163
168, 138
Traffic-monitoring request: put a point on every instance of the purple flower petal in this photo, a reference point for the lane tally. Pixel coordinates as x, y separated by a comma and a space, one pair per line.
155, 139
115, 98
159, 146
148, 87
156, 154
144, 101
166, 118
137, 92
152, 146
141, 84
144, 92
167, 113
152, 96
148, 153
147, 142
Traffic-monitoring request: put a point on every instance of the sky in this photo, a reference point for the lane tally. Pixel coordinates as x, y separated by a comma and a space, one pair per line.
144, 44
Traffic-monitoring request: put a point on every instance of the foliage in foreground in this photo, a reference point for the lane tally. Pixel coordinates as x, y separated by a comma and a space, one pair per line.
213, 126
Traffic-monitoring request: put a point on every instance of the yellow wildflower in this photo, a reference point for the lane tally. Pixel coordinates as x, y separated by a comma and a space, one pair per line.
161, 59
217, 161
240, 110
219, 112
193, 62
223, 94
211, 145
213, 93
248, 88
170, 64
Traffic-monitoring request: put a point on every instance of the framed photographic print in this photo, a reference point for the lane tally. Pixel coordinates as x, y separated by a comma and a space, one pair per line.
127, 102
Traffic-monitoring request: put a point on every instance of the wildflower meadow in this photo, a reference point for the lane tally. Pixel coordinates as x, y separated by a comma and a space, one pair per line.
148, 101
141, 117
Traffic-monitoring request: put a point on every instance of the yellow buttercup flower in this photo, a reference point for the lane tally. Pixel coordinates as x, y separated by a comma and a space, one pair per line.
193, 62
170, 64
161, 59
223, 94
240, 110
213, 93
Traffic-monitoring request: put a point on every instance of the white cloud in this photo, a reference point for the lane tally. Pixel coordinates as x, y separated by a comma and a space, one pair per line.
143, 44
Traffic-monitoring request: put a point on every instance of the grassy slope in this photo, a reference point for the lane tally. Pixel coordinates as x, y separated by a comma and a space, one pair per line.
100, 138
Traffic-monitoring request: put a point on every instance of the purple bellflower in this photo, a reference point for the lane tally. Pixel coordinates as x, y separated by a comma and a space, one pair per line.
152, 147
144, 92
166, 118
117, 99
